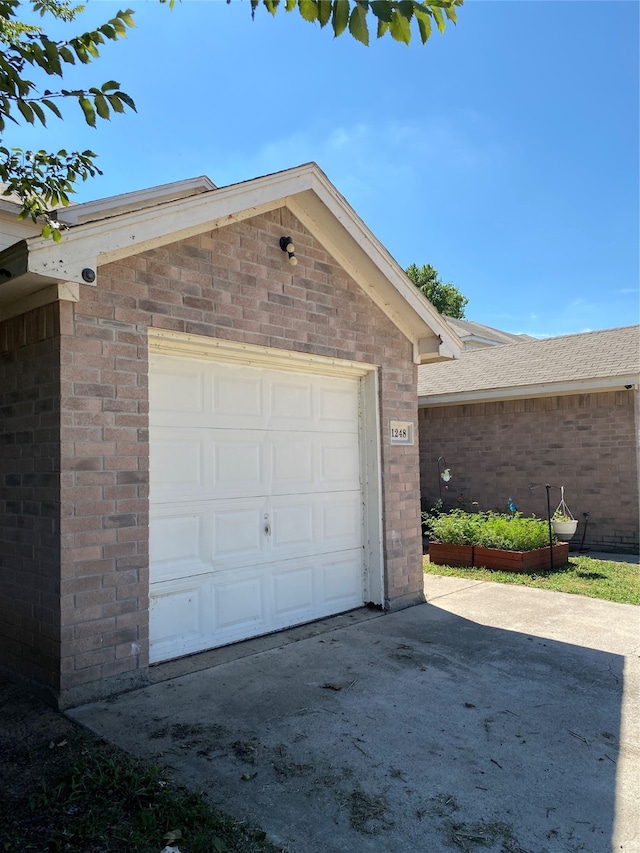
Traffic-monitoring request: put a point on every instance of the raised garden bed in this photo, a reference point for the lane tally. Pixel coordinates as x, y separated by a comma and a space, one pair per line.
505, 542
443, 554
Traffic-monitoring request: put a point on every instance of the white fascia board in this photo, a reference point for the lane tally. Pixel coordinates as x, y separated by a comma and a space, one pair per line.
551, 389
365, 259
102, 208
305, 190
118, 237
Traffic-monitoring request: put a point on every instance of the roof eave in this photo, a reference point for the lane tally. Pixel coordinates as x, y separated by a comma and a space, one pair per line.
550, 389
310, 196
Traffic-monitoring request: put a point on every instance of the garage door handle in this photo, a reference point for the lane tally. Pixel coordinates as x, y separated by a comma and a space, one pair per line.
267, 529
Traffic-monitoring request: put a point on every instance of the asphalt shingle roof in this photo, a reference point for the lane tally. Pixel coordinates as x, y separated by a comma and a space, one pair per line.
467, 328
586, 356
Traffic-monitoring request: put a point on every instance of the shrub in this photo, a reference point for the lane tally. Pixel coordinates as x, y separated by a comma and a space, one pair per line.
506, 531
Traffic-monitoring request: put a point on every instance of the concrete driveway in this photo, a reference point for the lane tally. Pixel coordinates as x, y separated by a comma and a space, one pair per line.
493, 718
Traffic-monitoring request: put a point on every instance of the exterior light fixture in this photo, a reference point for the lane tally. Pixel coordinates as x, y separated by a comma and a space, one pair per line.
286, 244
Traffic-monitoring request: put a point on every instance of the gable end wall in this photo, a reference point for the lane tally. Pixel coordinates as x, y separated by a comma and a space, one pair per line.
232, 284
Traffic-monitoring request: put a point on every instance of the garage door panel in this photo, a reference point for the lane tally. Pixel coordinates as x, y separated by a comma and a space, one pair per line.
342, 579
178, 619
177, 545
176, 391
338, 407
341, 520
290, 402
238, 604
293, 524
178, 464
239, 463
339, 463
237, 402
256, 502
293, 591
238, 532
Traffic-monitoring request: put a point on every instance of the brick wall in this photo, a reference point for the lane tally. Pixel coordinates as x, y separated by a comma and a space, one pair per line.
233, 284
104, 497
586, 442
30, 495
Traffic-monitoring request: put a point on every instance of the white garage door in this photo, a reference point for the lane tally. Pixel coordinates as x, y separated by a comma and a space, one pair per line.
256, 501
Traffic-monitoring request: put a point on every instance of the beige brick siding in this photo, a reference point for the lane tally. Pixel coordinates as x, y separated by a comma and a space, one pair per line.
586, 442
30, 495
233, 284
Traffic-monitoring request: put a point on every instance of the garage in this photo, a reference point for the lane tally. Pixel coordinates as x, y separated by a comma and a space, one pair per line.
256, 493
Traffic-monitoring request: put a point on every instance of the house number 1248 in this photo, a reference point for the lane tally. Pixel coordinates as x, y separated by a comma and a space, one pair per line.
401, 432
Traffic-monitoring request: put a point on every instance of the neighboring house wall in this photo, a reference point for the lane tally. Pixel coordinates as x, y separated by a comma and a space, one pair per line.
587, 443
233, 284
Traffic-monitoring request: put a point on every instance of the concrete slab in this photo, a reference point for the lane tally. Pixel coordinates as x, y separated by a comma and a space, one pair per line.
492, 718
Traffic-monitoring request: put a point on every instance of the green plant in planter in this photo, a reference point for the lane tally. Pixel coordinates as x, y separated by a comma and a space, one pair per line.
456, 527
559, 515
505, 531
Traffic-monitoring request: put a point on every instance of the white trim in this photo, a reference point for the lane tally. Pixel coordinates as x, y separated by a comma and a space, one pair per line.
551, 389
216, 349
305, 190
65, 292
371, 467
115, 205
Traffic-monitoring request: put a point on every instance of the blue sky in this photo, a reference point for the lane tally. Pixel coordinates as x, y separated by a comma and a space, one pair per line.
504, 152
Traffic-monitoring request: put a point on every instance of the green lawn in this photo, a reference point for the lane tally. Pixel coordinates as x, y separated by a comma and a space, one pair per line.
605, 579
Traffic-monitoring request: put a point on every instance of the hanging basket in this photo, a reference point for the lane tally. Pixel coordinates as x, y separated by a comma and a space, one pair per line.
562, 521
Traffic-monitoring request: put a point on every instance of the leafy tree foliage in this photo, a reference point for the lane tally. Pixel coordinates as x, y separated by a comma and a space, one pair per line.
445, 297
43, 180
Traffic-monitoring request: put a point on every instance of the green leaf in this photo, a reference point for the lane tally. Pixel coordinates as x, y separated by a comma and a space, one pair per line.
400, 27
108, 31
35, 106
324, 12
450, 12
382, 9
340, 16
46, 231
271, 6
358, 25
26, 111
51, 106
126, 99
439, 19
88, 110
102, 107
127, 17
290, 5
424, 24
66, 54
116, 104
308, 10
383, 27
110, 86
57, 236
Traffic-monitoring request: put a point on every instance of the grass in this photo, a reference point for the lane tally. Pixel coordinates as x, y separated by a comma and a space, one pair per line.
604, 579
100, 800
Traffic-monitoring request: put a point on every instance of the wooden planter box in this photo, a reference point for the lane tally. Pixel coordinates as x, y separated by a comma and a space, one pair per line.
450, 555
520, 561
493, 558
